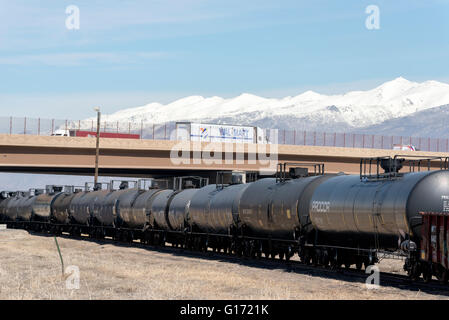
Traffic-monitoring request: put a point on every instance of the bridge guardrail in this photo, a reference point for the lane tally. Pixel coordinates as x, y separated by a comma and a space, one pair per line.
162, 131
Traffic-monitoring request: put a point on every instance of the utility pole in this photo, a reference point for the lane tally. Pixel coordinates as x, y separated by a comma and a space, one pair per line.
97, 151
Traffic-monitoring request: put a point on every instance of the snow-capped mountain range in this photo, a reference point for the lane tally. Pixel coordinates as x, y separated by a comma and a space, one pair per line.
354, 111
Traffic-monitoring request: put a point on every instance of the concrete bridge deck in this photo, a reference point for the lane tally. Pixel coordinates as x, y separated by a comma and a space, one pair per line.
142, 158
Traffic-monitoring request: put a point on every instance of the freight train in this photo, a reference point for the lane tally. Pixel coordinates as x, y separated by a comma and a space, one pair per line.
333, 220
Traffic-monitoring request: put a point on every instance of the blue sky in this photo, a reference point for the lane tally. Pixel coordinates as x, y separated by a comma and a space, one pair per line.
129, 53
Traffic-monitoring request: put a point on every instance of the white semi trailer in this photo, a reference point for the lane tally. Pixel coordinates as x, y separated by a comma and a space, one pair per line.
206, 132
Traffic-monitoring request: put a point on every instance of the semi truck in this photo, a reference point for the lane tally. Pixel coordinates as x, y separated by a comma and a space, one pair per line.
93, 134
404, 147
206, 132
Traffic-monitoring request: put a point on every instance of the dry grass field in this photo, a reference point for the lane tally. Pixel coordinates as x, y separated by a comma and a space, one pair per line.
30, 269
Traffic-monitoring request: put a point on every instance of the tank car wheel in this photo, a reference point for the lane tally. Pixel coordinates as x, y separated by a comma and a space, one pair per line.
125, 236
252, 252
117, 235
443, 276
281, 255
258, 249
347, 265
288, 253
98, 233
325, 259
366, 263
334, 264
427, 275
358, 265
248, 249
240, 250
305, 258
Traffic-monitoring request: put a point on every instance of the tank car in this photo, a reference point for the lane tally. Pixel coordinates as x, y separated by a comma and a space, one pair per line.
105, 208
279, 209
379, 213
61, 207
84, 206
140, 216
3, 197
109, 212
179, 210
159, 209
24, 207
214, 209
11, 206
6, 197
42, 204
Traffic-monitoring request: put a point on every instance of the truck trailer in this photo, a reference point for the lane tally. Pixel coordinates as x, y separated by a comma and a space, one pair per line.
206, 132
93, 134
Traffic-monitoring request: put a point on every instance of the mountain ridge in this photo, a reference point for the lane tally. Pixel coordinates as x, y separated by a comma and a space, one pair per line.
350, 111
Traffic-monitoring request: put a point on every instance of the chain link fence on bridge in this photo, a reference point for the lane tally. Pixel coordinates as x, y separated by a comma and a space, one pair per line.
165, 131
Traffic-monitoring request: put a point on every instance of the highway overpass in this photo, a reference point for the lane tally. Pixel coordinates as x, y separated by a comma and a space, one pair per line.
147, 158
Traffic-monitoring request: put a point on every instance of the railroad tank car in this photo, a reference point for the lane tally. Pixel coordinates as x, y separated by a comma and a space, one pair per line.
102, 208
277, 209
104, 212
347, 210
159, 208
214, 209
24, 207
140, 214
61, 207
108, 207
84, 204
11, 207
42, 206
4, 208
125, 214
199, 208
179, 209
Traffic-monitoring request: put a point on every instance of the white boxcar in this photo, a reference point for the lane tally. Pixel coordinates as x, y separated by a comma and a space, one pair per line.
205, 132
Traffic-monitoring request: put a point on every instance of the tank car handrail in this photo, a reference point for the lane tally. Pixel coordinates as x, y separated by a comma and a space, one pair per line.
395, 164
141, 183
97, 187
124, 184
281, 171
177, 181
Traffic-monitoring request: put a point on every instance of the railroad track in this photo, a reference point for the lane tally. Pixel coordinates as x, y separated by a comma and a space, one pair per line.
345, 274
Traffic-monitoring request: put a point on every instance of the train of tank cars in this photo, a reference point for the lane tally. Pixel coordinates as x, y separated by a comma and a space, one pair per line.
326, 219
